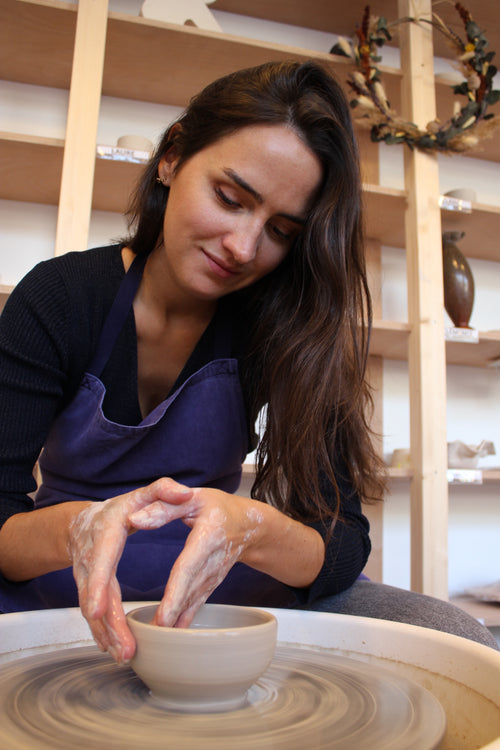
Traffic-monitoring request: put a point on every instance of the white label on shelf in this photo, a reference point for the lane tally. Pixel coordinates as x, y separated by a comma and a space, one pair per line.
123, 154
464, 335
464, 476
455, 204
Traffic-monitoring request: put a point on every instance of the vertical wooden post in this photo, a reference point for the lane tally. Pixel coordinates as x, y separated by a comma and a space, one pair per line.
427, 362
75, 201
369, 154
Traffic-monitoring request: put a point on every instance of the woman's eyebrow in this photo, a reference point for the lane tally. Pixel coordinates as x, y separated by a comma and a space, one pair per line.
243, 184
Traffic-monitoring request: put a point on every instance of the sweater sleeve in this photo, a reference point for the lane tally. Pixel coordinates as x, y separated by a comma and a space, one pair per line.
347, 548
48, 332
33, 379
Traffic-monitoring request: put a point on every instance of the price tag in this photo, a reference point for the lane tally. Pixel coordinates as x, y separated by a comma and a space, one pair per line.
463, 335
455, 204
114, 153
464, 476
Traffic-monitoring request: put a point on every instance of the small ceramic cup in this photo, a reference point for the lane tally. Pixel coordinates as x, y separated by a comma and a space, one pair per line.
135, 143
209, 666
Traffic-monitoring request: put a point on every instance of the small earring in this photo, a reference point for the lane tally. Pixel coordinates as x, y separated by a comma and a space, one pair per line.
162, 181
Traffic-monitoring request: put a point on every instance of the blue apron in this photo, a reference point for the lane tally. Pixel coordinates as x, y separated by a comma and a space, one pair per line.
198, 436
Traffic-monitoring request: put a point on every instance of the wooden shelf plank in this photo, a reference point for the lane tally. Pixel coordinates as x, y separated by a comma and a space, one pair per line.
481, 227
114, 182
36, 41
490, 476
42, 158
475, 355
390, 340
385, 214
137, 46
385, 217
31, 168
487, 612
322, 15
395, 474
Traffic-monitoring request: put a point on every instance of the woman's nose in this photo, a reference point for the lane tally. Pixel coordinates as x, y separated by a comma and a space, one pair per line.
242, 242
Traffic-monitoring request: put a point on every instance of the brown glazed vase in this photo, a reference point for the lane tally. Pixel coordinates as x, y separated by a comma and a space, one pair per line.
458, 281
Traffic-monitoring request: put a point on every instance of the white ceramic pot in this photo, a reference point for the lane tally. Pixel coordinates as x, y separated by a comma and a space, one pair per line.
209, 666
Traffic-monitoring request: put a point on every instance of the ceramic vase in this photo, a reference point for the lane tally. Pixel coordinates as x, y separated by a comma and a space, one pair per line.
458, 281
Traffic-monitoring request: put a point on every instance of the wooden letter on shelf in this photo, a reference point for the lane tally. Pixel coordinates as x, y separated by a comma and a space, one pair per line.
173, 11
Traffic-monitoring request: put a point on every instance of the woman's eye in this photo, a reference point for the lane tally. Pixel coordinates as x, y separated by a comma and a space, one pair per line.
226, 200
281, 234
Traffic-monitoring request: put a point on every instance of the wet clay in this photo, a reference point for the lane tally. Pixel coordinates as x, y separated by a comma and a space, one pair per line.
79, 698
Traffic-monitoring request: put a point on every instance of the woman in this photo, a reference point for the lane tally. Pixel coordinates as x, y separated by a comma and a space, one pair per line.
141, 368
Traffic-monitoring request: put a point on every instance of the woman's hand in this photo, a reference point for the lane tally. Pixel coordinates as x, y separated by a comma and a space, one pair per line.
97, 536
223, 527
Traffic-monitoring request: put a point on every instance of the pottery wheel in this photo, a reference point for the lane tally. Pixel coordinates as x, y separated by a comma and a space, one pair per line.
308, 698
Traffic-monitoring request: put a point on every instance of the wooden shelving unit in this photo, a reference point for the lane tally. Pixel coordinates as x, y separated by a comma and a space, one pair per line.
37, 41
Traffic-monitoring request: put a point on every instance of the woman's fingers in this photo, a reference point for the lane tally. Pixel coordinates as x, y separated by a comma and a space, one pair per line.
207, 557
121, 641
160, 513
111, 632
222, 527
97, 537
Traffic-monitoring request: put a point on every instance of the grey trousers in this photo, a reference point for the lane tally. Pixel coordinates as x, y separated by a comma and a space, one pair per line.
369, 599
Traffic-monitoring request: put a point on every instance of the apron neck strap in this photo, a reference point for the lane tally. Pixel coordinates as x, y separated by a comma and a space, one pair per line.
117, 315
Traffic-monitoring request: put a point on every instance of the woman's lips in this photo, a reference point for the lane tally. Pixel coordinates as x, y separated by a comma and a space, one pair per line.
220, 268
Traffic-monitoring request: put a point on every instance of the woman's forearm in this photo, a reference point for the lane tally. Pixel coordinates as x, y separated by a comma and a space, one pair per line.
35, 543
285, 549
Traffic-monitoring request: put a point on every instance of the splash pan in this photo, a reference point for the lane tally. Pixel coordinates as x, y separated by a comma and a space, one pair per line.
335, 681
80, 699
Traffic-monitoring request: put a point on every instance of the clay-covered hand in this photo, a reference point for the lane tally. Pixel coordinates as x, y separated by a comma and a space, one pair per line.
97, 536
222, 527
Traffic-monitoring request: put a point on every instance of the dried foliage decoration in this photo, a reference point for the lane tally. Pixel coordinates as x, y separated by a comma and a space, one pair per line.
468, 124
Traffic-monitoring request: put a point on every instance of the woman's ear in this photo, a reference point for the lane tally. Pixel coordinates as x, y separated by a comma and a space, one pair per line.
170, 158
166, 168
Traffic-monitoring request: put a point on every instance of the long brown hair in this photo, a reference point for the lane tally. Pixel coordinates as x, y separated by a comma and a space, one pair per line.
310, 318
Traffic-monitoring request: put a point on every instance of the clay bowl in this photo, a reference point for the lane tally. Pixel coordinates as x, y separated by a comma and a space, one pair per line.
209, 666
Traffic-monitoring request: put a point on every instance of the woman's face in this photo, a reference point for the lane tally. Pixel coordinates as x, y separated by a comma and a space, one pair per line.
235, 208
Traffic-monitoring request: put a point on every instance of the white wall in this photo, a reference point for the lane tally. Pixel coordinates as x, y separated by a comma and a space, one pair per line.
27, 234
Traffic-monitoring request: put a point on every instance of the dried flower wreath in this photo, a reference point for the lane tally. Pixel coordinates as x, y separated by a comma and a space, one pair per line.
467, 125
